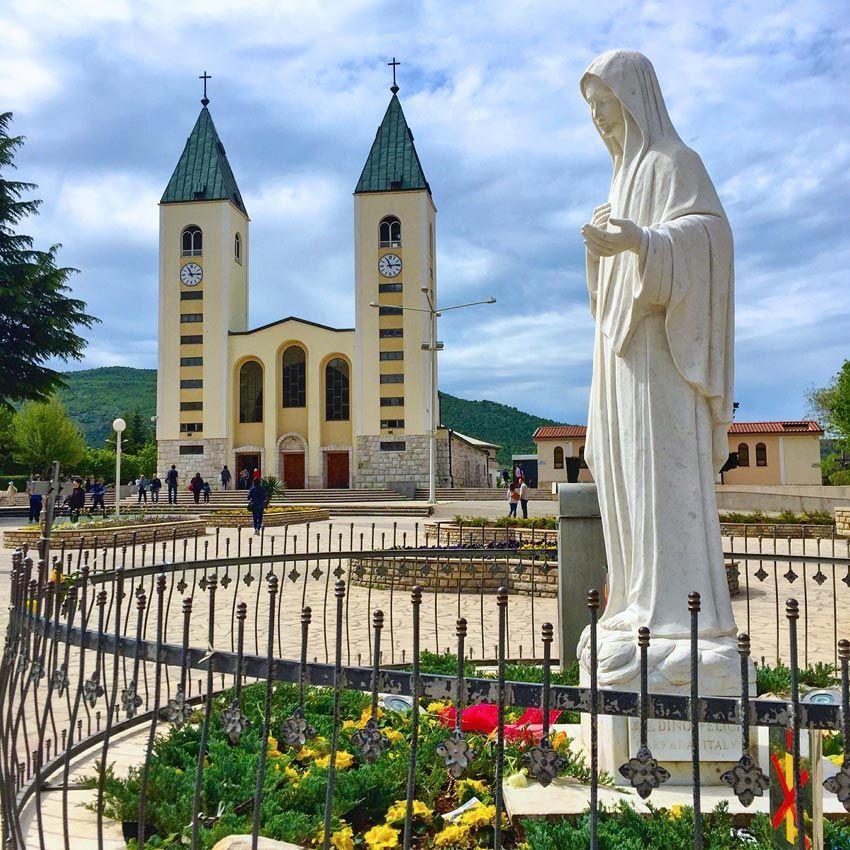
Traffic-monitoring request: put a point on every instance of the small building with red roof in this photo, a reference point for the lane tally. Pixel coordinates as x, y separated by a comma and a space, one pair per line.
768, 453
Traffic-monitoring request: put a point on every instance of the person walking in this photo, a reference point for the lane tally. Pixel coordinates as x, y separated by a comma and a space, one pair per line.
156, 486
257, 504
523, 497
76, 500
513, 499
98, 491
36, 500
197, 487
206, 489
225, 477
143, 489
171, 480
244, 475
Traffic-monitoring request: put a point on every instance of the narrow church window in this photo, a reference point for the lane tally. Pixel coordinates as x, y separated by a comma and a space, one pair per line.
251, 392
237, 248
389, 232
390, 287
389, 311
582, 463
336, 391
743, 454
387, 333
392, 423
761, 454
391, 355
392, 401
294, 377
193, 241
395, 378
559, 457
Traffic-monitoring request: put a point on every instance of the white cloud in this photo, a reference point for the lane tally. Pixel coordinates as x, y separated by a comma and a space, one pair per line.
491, 93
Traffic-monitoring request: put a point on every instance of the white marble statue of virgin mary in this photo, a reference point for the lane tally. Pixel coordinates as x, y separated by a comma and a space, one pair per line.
660, 277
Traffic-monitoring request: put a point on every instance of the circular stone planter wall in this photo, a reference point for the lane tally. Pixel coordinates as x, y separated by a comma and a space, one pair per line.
451, 534
782, 532
243, 519
448, 575
150, 530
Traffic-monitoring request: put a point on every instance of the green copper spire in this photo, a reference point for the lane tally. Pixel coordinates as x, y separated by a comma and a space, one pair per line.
392, 164
203, 172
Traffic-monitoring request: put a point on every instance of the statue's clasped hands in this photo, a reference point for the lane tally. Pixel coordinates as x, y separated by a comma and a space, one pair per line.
602, 242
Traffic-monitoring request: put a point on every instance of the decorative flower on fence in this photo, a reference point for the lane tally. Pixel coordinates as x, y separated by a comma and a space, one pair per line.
543, 762
370, 741
92, 690
296, 731
746, 780
177, 712
234, 722
36, 672
644, 772
840, 785
60, 680
456, 753
130, 700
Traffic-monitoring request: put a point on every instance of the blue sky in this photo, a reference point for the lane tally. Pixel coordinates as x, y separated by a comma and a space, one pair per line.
107, 91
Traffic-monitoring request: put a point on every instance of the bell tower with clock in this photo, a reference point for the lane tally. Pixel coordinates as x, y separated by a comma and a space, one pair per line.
203, 295
395, 268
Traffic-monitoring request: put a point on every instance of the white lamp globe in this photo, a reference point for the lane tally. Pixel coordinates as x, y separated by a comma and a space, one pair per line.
119, 425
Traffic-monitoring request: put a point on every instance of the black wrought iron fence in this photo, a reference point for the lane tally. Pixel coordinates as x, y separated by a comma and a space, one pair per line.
93, 654
812, 564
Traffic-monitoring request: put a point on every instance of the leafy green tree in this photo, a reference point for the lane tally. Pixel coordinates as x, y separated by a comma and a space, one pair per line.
99, 463
831, 406
6, 438
38, 321
138, 433
43, 433
147, 458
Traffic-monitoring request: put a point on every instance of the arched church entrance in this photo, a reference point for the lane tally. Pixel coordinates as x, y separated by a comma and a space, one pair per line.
292, 455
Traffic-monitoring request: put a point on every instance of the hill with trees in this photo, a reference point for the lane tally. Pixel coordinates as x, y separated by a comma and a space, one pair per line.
94, 397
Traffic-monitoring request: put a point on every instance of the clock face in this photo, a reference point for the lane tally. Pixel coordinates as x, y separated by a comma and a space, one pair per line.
191, 274
389, 265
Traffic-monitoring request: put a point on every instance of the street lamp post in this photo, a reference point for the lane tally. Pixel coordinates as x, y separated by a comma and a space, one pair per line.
433, 346
119, 426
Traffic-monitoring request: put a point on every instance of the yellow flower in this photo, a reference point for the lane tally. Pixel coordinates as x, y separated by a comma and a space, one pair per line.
518, 780
478, 816
349, 724
393, 735
342, 761
436, 707
398, 810
178, 771
343, 839
366, 716
272, 742
381, 837
291, 773
675, 812
308, 753
477, 787
560, 741
452, 836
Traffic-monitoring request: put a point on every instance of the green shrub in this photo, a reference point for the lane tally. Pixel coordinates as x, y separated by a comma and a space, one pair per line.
782, 518
840, 478
550, 522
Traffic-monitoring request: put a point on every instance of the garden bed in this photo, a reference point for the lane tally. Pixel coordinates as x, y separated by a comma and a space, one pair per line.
273, 517
120, 531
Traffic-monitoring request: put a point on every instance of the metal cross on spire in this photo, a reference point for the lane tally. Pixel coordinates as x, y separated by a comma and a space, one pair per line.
205, 76
394, 65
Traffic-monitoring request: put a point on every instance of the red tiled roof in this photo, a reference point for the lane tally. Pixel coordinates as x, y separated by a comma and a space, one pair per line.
807, 426
559, 432
803, 426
